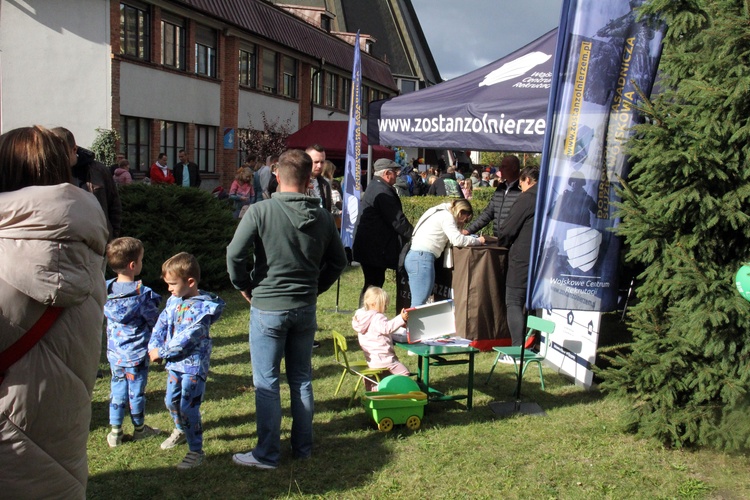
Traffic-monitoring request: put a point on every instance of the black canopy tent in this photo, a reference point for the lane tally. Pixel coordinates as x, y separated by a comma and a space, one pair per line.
500, 107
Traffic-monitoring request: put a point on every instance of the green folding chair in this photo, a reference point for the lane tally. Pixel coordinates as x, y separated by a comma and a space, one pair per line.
533, 324
357, 368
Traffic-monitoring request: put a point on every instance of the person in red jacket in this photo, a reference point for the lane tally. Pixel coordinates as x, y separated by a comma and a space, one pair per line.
160, 173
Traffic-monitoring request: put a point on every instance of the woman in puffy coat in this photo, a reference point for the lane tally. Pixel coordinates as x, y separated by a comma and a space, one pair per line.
52, 241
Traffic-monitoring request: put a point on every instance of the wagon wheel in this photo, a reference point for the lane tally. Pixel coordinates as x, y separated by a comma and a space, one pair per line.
385, 425
413, 423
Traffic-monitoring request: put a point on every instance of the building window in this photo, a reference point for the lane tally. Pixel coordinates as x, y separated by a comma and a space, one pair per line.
332, 89
135, 32
172, 140
289, 67
248, 67
205, 51
317, 85
205, 148
346, 91
136, 142
325, 23
269, 71
173, 43
408, 86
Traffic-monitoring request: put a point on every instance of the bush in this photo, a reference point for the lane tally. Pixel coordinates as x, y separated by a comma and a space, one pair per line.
173, 219
415, 206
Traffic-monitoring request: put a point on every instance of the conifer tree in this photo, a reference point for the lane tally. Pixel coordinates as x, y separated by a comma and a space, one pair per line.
686, 221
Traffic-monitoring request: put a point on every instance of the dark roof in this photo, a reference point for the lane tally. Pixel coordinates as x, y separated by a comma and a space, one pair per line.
375, 19
274, 24
430, 69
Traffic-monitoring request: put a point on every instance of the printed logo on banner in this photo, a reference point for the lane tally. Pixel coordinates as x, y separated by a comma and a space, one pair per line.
516, 68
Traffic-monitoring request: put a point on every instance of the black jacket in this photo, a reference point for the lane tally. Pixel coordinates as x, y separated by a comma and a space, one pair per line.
325, 192
95, 178
497, 209
515, 232
195, 175
382, 228
446, 185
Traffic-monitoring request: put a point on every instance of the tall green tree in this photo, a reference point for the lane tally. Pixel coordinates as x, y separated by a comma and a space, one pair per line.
686, 220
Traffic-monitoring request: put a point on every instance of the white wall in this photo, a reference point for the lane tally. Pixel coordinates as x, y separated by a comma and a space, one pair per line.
55, 65
150, 93
252, 104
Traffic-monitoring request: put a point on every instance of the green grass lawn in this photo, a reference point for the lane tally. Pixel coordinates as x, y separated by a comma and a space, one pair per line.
577, 451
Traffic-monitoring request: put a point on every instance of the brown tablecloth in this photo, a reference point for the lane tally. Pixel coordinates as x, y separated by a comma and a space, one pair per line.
479, 292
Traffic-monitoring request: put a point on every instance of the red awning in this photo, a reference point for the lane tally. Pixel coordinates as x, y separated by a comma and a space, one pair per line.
332, 136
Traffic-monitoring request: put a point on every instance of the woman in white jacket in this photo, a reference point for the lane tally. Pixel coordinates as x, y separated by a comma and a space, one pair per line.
438, 228
52, 241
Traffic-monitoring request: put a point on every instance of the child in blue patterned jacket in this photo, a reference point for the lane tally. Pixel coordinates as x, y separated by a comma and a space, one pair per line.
181, 337
131, 311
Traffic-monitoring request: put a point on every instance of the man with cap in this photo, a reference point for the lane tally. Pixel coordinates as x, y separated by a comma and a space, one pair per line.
382, 228
503, 198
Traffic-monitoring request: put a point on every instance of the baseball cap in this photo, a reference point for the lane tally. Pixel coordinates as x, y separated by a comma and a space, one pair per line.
385, 164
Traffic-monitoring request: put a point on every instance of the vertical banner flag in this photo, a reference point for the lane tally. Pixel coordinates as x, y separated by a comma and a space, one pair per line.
604, 53
352, 173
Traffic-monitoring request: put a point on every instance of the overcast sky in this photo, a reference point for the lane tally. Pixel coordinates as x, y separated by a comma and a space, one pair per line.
467, 34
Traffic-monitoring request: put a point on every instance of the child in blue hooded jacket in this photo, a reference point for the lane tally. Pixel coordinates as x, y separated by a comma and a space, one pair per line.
181, 337
131, 311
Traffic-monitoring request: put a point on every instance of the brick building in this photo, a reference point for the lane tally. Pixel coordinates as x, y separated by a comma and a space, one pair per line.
175, 74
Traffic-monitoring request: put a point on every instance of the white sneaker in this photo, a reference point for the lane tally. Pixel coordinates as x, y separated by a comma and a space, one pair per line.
177, 437
248, 460
114, 439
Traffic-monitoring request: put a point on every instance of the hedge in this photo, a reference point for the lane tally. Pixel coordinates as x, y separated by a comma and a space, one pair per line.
415, 206
170, 219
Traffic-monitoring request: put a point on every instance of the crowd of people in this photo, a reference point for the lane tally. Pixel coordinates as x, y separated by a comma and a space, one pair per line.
61, 215
385, 239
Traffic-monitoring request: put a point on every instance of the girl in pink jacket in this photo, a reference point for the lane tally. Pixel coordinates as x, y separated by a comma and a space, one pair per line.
375, 331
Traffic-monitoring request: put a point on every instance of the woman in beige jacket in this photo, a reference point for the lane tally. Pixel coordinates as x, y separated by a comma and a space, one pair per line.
52, 242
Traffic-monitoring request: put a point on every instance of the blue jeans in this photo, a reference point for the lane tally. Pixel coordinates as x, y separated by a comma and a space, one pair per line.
183, 399
420, 266
289, 335
128, 388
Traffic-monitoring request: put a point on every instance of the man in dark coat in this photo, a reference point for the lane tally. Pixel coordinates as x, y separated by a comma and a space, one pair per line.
515, 232
193, 177
504, 197
382, 228
95, 178
319, 184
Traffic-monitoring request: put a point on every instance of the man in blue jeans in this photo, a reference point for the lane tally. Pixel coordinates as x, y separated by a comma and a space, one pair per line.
297, 254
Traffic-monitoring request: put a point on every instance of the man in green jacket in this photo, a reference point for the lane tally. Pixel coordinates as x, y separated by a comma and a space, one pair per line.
297, 255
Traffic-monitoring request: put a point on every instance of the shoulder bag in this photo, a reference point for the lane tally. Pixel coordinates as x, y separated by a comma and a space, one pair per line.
28, 340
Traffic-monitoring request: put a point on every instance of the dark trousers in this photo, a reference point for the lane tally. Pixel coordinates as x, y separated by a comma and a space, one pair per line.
515, 299
374, 276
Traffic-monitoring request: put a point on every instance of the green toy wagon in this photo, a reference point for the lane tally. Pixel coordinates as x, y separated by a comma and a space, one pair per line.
397, 401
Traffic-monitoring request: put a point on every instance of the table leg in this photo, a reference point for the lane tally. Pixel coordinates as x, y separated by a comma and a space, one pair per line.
470, 398
426, 373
